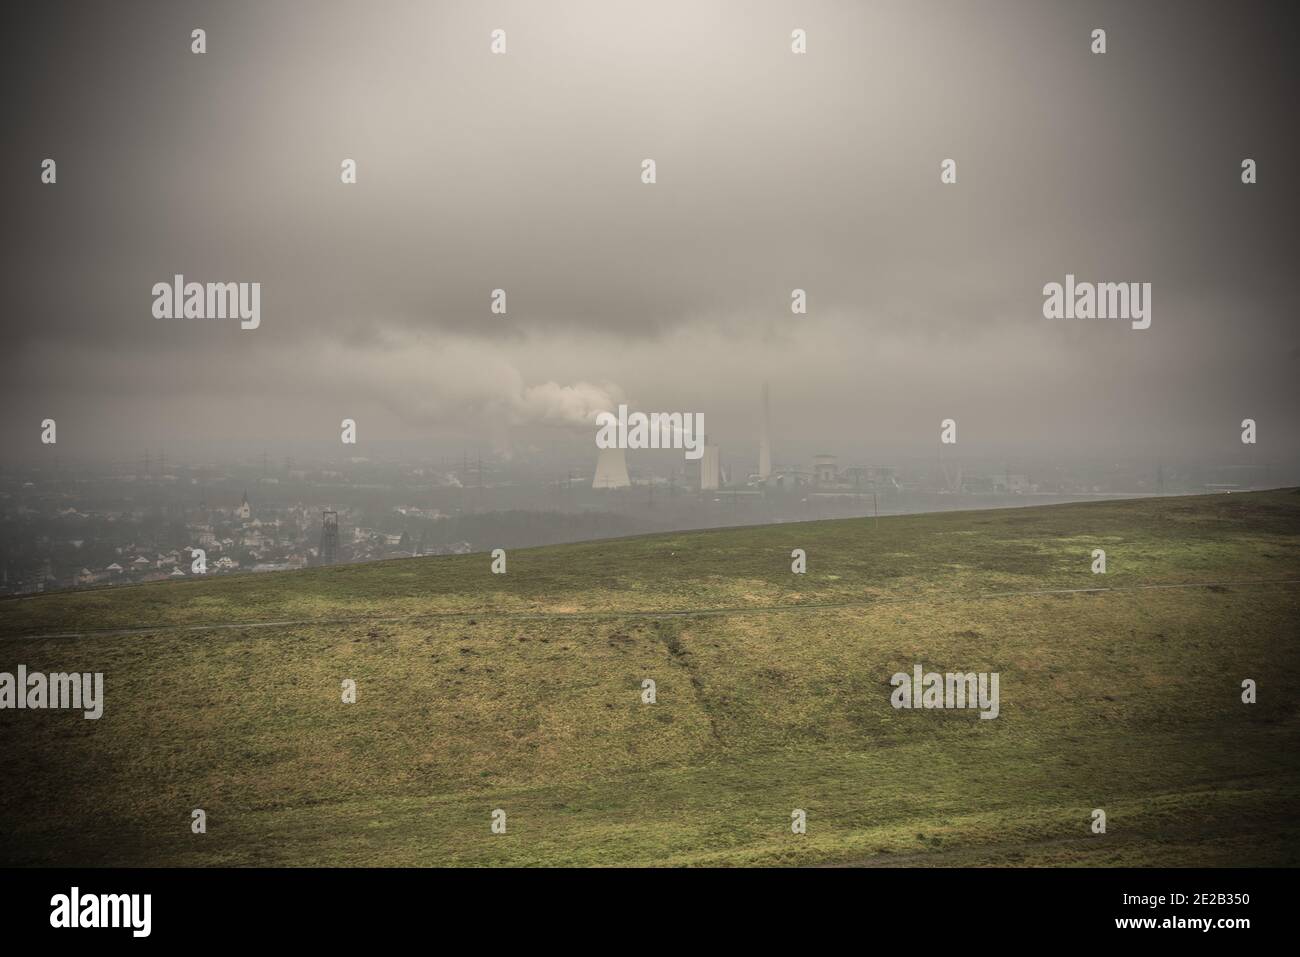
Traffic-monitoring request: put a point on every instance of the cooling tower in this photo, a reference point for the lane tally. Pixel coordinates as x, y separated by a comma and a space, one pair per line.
611, 469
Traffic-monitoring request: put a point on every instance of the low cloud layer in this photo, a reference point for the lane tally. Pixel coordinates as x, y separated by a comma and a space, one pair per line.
776, 172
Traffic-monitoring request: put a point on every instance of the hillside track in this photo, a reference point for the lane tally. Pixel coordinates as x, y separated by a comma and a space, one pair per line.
611, 614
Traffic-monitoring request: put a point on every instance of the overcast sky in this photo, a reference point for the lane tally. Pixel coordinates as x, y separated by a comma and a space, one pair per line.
775, 171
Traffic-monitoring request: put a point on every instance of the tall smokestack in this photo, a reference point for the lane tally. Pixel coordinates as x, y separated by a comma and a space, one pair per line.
765, 440
710, 468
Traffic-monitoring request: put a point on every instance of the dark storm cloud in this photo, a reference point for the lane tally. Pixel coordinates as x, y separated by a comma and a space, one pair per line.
775, 171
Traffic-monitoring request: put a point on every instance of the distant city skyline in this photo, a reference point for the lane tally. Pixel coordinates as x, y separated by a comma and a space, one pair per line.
132, 522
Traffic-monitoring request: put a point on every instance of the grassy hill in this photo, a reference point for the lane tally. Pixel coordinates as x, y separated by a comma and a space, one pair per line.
523, 692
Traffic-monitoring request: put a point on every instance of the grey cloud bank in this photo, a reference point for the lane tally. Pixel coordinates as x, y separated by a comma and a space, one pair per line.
775, 172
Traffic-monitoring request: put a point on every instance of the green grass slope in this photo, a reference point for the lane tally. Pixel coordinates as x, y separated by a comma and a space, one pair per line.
523, 692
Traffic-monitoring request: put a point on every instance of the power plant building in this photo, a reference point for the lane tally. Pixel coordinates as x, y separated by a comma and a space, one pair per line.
765, 441
711, 468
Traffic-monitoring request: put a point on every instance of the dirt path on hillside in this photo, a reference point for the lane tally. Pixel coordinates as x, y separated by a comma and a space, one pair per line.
644, 613
973, 856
